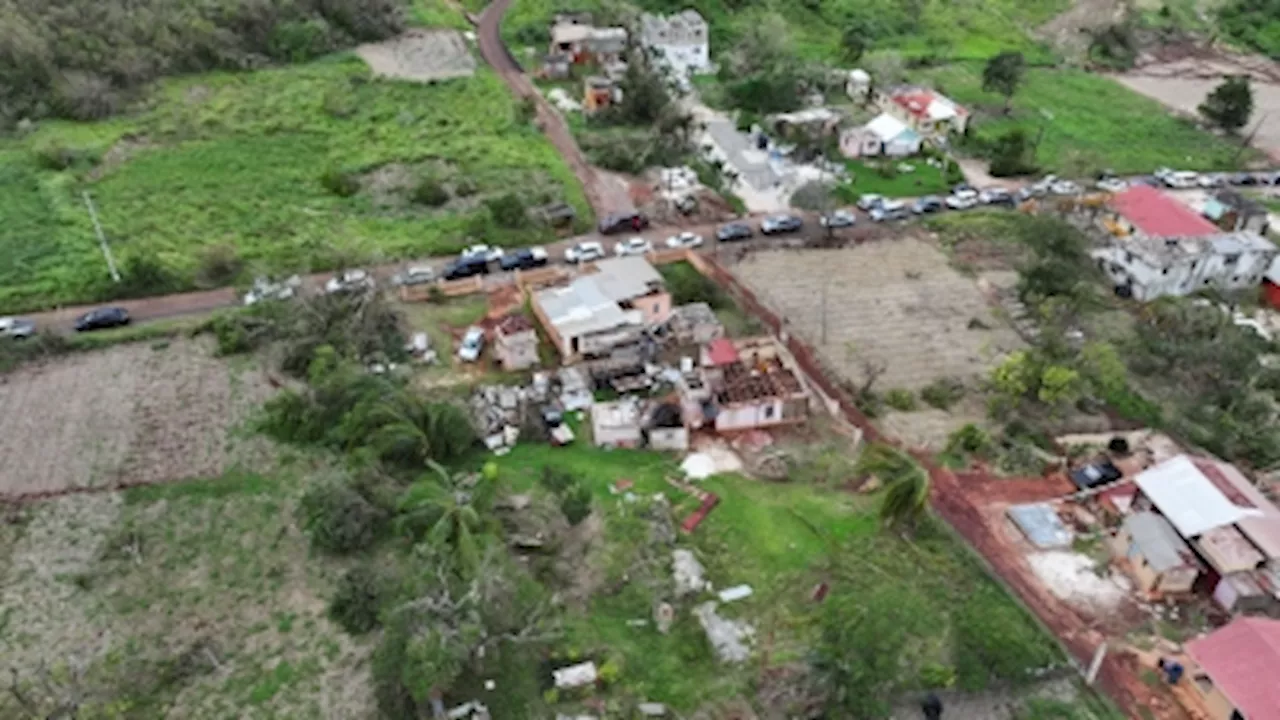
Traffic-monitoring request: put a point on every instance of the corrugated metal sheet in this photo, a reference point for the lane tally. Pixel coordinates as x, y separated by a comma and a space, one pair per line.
1041, 524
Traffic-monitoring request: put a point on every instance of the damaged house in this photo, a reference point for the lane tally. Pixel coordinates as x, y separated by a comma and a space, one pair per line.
609, 310
744, 384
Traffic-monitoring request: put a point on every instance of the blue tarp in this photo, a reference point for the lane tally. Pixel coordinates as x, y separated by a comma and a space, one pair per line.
1040, 523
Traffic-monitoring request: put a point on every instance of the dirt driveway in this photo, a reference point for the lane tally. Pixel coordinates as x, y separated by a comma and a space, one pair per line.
1182, 85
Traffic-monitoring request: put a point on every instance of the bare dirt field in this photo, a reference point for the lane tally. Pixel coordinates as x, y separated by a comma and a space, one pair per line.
896, 305
128, 415
1182, 84
420, 55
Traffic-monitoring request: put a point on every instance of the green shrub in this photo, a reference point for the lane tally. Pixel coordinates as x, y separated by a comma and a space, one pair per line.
340, 182
220, 265
900, 399
687, 285
356, 603
339, 519
555, 480
996, 641
299, 41
576, 504
430, 192
56, 156
942, 393
143, 276
507, 210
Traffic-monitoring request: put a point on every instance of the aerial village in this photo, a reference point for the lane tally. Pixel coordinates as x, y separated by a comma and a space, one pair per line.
904, 398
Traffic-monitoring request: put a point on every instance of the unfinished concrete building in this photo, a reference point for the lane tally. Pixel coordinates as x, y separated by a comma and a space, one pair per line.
515, 343
747, 383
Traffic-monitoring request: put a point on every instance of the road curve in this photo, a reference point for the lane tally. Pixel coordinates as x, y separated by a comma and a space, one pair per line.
604, 195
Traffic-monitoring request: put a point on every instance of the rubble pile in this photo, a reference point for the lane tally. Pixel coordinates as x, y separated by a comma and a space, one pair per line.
498, 412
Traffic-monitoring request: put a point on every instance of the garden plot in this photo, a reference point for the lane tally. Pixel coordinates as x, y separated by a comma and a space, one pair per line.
896, 307
129, 415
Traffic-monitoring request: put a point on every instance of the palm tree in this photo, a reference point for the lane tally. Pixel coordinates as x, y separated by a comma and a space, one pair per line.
416, 431
906, 484
451, 507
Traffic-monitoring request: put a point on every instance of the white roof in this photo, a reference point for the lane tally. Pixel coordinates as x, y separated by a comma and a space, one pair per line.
580, 308
627, 277
1188, 498
886, 127
941, 109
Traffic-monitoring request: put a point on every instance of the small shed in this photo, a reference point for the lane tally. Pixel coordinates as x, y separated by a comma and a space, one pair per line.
616, 424
1159, 559
516, 343
666, 428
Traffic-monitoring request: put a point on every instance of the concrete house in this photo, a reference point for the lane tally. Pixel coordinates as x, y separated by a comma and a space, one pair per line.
1162, 247
1235, 670
573, 36
600, 313
1160, 561
695, 323
678, 41
885, 135
929, 112
754, 383
515, 343
617, 424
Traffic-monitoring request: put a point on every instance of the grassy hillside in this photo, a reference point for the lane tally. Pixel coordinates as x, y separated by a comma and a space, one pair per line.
239, 162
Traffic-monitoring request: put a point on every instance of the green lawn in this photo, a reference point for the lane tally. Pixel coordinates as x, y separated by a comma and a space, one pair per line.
1089, 122
924, 179
780, 538
237, 160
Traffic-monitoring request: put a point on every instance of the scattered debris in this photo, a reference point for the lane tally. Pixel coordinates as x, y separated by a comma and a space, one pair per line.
698, 466
729, 638
1073, 577
474, 710
575, 675
574, 392
652, 709
737, 592
419, 348
621, 486
664, 616
819, 592
688, 573
498, 412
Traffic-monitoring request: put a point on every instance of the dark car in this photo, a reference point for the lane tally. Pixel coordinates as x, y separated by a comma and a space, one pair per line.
734, 231
102, 318
1243, 179
622, 222
465, 268
525, 259
779, 224
1094, 474
927, 204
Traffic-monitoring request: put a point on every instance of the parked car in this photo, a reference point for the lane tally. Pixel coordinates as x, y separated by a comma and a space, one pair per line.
465, 268
525, 259
734, 231
995, 196
103, 318
1024, 194
633, 246
890, 210
414, 275
265, 288
1065, 187
1269, 178
928, 204
1211, 180
488, 252
623, 222
1111, 183
838, 219
962, 200
584, 252
349, 281
962, 188
684, 240
1243, 179
868, 202
472, 344
16, 328
1177, 179
779, 224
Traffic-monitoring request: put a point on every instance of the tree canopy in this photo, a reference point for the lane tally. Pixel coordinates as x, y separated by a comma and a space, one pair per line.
1230, 104
1003, 74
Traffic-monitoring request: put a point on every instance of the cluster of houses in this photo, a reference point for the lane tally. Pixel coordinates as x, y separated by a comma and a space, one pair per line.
671, 367
679, 42
910, 116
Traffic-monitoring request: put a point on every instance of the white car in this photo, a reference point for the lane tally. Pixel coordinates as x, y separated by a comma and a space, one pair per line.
634, 246
869, 201
1211, 180
1112, 184
488, 252
962, 200
1177, 179
684, 240
838, 219
584, 252
472, 345
16, 328
1064, 187
415, 275
890, 210
349, 281
265, 289
994, 196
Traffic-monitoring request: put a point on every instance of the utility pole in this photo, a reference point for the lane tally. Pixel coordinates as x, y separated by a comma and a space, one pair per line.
102, 238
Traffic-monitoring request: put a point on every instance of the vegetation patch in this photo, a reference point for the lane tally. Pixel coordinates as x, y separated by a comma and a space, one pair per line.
279, 167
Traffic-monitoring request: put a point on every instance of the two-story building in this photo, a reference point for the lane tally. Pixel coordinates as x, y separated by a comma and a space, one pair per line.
1161, 247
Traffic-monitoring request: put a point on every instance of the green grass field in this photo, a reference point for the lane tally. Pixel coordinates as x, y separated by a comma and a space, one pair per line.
782, 539
1089, 122
923, 180
237, 159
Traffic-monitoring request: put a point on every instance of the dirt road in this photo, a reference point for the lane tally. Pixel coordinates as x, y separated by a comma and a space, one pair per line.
605, 196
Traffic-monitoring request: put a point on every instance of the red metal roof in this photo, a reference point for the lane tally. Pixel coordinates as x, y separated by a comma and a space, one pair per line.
1243, 659
1158, 215
722, 352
